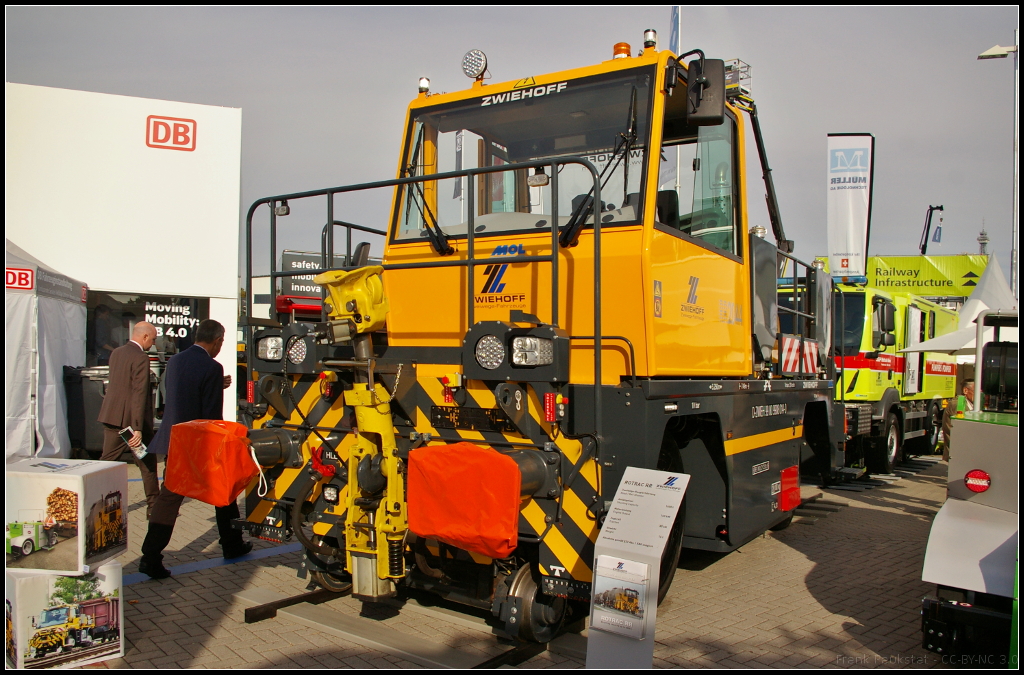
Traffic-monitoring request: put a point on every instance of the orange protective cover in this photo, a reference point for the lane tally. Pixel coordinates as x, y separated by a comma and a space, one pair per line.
209, 460
465, 496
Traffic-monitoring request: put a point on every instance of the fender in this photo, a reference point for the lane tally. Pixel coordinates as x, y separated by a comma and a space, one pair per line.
879, 409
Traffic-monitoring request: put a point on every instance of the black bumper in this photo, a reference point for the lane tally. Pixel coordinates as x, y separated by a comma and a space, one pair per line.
954, 629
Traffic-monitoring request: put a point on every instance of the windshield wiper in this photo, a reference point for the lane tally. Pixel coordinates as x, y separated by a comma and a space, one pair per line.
438, 239
571, 232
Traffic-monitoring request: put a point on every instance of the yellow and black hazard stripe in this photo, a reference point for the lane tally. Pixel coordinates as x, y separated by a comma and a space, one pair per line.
324, 413
566, 524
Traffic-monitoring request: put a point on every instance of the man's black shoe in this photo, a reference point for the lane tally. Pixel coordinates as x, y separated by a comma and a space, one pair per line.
231, 554
157, 571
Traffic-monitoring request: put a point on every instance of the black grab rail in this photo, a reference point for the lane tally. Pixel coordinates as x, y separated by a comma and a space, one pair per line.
471, 261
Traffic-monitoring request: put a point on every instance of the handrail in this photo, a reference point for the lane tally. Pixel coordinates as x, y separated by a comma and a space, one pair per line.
470, 262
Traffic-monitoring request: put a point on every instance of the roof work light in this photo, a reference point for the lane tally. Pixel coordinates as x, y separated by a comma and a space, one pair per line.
424, 85
474, 64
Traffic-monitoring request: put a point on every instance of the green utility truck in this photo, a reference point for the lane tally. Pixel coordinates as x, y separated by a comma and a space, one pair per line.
24, 537
971, 555
893, 402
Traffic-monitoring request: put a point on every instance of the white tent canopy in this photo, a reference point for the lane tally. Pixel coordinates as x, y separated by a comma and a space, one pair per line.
45, 331
992, 292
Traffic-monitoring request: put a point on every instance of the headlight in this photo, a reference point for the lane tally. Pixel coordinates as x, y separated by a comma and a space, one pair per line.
490, 352
271, 348
331, 494
532, 351
297, 352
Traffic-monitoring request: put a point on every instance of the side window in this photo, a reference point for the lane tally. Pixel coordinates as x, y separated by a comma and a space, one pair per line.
698, 192
931, 325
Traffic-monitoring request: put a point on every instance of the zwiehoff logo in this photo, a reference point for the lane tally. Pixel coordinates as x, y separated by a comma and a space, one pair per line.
848, 159
670, 483
621, 566
492, 289
690, 308
521, 94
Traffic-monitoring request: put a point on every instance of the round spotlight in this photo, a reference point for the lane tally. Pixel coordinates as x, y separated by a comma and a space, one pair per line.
490, 352
297, 352
650, 39
424, 85
474, 63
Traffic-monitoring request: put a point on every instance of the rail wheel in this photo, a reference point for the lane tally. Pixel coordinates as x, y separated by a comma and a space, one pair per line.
542, 615
338, 581
885, 453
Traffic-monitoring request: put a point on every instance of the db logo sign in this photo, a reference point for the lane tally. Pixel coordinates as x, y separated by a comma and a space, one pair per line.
20, 278
171, 133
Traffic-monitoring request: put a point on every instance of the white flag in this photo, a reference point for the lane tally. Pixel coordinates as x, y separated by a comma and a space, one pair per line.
850, 174
673, 35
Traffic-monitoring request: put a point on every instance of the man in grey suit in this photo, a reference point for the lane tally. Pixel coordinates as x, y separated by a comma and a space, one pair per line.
129, 402
195, 391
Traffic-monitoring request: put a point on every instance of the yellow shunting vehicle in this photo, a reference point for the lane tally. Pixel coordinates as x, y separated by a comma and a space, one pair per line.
556, 302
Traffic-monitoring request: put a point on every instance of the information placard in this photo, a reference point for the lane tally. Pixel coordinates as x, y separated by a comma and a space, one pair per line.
643, 512
624, 600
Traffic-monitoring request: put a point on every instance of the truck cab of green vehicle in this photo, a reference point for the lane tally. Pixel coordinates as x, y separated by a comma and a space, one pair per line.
893, 401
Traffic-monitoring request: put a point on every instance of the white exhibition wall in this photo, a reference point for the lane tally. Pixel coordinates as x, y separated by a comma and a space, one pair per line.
97, 188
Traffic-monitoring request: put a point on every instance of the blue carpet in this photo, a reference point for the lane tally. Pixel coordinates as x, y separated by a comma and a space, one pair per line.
135, 578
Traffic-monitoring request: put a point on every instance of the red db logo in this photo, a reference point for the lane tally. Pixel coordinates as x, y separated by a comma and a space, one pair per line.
20, 278
171, 133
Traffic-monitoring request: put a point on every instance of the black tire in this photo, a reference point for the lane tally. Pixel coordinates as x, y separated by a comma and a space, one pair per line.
670, 460
27, 547
886, 452
777, 527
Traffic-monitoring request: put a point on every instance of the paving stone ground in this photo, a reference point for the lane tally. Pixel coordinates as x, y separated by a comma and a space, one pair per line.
842, 592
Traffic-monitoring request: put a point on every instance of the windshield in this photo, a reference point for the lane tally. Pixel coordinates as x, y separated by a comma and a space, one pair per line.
602, 118
52, 617
848, 312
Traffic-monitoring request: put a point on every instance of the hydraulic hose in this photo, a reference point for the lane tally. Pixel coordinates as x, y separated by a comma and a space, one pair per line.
295, 520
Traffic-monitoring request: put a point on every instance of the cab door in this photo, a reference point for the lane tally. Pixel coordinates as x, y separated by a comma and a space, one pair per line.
698, 279
912, 361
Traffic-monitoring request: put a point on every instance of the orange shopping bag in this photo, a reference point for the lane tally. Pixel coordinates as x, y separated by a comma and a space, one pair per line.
209, 460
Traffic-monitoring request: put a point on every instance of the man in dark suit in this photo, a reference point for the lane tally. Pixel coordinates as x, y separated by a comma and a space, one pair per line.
195, 391
129, 402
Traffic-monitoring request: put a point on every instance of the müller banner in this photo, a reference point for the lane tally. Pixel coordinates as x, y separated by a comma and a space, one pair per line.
851, 161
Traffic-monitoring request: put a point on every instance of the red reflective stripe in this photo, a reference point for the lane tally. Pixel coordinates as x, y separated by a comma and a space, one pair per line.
883, 362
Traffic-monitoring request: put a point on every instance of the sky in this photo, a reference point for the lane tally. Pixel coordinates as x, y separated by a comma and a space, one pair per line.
323, 93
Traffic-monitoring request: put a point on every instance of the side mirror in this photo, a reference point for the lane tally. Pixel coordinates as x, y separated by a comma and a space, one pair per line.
887, 318
880, 339
705, 93
33, 622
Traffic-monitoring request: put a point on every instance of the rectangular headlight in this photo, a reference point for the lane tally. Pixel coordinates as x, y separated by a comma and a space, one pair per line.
532, 351
271, 348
